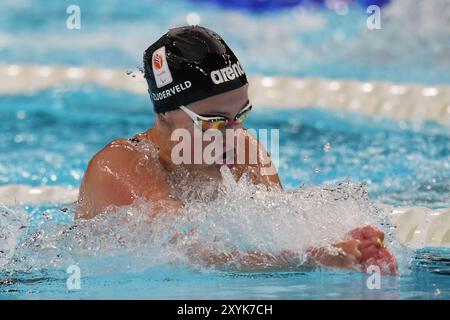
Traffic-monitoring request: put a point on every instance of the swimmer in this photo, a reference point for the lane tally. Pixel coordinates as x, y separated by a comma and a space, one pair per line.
196, 83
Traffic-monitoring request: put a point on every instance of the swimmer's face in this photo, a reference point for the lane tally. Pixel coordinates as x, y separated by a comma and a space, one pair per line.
227, 104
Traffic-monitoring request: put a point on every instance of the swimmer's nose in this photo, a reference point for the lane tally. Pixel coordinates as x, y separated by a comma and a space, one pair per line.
233, 124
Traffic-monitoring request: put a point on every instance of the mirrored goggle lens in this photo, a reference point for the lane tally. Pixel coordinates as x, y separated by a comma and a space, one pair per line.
243, 117
212, 125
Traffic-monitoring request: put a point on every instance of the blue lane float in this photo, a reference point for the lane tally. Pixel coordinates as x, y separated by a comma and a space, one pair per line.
270, 5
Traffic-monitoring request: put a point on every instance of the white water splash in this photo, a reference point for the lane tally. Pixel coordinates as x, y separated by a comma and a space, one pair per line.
243, 217
12, 228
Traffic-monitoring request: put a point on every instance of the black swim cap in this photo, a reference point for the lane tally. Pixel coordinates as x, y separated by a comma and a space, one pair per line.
188, 64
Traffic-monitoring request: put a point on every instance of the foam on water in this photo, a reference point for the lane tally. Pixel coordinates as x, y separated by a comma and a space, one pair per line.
12, 225
242, 218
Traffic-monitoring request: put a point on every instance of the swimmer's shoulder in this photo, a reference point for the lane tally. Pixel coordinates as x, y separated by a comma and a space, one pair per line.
119, 148
119, 153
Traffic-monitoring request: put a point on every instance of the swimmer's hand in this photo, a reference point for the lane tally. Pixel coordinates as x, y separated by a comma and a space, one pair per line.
373, 251
346, 258
364, 248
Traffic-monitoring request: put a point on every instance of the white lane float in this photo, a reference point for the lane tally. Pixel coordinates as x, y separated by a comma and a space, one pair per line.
401, 101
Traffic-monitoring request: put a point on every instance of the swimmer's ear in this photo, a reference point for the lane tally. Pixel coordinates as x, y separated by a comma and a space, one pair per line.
164, 118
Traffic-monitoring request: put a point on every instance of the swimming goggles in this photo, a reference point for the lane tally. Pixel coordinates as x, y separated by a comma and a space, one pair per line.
217, 122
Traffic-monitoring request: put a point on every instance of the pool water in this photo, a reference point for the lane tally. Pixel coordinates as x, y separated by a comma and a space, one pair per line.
178, 283
53, 135
322, 42
47, 138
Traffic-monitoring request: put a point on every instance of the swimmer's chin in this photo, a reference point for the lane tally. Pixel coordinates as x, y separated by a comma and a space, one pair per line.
220, 165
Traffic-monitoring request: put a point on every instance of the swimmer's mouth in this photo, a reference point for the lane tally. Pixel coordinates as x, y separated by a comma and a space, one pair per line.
221, 160
229, 157
226, 157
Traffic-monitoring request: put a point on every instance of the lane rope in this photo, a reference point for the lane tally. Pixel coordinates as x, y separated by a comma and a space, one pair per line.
400, 101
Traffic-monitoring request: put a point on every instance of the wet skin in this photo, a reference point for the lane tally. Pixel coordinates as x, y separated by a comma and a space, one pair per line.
121, 173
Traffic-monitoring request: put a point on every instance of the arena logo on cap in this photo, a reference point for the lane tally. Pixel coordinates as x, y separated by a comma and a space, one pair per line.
227, 74
160, 68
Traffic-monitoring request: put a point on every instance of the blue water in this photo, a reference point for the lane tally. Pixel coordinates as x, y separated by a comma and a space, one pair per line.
47, 138
176, 283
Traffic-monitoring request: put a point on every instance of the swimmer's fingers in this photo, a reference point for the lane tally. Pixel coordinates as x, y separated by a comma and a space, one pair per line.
382, 257
350, 247
346, 258
369, 253
339, 260
371, 240
385, 260
375, 243
371, 248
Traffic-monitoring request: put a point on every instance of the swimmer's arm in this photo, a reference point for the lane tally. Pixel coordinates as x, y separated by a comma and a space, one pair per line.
349, 254
343, 255
345, 258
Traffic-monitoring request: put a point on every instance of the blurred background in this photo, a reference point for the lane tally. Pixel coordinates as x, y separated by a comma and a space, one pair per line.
326, 38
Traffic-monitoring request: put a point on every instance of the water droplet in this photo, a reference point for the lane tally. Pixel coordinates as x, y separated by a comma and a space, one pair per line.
25, 174
19, 138
341, 8
21, 114
193, 18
